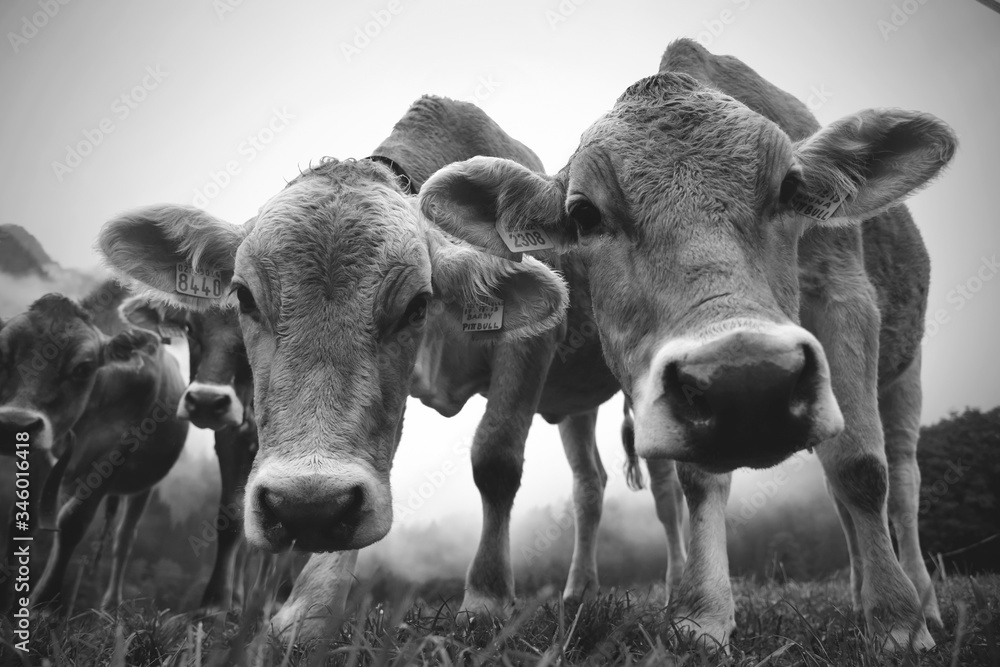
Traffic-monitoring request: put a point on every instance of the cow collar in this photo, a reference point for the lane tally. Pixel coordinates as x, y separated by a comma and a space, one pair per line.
404, 179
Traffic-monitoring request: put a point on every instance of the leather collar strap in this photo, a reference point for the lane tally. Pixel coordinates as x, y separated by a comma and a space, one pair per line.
404, 178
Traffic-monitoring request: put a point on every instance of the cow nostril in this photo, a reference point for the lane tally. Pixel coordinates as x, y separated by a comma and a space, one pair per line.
219, 403
687, 395
804, 391
22, 422
211, 402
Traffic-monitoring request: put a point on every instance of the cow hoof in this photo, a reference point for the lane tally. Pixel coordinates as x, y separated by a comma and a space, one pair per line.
710, 633
476, 606
578, 593
902, 637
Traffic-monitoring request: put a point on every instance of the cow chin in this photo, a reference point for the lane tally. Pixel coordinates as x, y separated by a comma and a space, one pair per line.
316, 507
744, 394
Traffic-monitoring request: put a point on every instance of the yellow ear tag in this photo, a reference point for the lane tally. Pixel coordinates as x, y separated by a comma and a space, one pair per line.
820, 206
201, 283
525, 239
485, 316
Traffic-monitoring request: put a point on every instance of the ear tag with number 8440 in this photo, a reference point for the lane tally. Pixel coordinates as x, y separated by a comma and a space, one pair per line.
198, 283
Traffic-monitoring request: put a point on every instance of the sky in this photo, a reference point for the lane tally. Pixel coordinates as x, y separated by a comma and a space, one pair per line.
114, 105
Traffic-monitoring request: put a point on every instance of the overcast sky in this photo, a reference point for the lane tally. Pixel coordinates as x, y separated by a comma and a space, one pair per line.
200, 79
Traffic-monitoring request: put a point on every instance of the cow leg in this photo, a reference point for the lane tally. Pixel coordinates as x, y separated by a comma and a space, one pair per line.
853, 550
497, 460
703, 604
589, 480
318, 599
899, 407
235, 460
135, 505
669, 497
857, 471
74, 519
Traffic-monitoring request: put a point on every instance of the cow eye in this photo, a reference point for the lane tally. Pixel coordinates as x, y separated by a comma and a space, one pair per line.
584, 215
416, 311
246, 301
789, 186
82, 371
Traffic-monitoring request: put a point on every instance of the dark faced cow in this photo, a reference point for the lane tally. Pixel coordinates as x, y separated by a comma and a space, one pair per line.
756, 292
349, 302
219, 397
100, 396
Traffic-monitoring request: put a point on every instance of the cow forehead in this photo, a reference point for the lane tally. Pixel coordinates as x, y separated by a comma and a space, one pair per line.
323, 238
678, 143
45, 335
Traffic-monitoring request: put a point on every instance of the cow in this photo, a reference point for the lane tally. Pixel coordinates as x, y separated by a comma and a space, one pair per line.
348, 302
756, 293
219, 397
96, 394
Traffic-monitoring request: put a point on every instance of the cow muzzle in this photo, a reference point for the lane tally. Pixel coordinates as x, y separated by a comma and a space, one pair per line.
316, 511
748, 396
34, 426
212, 406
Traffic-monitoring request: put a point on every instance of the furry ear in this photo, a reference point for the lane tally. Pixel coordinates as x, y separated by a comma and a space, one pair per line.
474, 199
866, 163
180, 254
124, 346
532, 297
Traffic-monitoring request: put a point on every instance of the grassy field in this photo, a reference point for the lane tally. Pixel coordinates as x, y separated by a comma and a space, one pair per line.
788, 624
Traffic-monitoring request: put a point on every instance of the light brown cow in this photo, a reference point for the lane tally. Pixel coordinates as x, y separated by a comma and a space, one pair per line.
101, 397
348, 303
738, 304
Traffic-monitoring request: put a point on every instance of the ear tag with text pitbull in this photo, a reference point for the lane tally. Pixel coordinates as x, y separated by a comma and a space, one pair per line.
198, 283
486, 316
525, 239
171, 331
820, 206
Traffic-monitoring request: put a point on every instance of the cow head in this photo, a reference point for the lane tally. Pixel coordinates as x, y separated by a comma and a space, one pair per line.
332, 284
689, 207
50, 359
221, 383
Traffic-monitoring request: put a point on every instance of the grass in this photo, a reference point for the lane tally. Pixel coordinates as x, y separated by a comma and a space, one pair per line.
780, 624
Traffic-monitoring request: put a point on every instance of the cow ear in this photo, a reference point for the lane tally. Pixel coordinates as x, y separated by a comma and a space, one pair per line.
868, 162
481, 198
494, 298
180, 253
142, 313
124, 346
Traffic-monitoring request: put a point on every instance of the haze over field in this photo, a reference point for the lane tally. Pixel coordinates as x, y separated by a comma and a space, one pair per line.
220, 103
